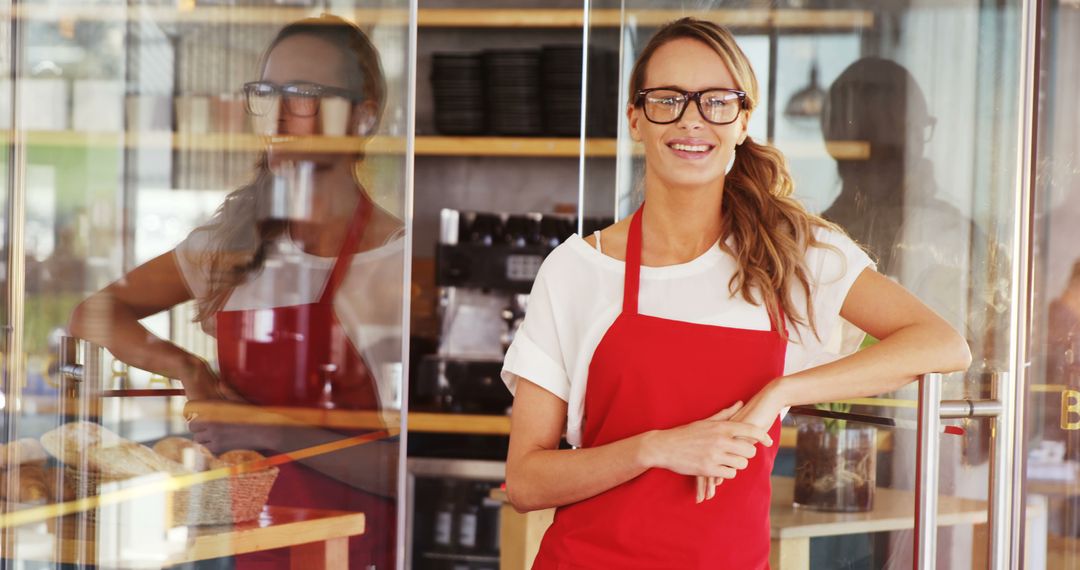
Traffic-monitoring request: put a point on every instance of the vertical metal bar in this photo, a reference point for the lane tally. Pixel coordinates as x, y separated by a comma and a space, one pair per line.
14, 363
926, 467
403, 532
1001, 480
1012, 387
586, 8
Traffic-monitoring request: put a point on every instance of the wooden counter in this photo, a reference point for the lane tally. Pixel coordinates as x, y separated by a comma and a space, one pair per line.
792, 528
317, 539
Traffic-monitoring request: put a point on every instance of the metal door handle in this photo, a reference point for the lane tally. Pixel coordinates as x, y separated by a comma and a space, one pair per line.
932, 409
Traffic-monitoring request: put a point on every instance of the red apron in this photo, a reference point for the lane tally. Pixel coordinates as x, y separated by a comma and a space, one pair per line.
287, 356
650, 373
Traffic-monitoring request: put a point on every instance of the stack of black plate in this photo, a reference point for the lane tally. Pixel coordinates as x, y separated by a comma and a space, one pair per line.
560, 76
604, 111
513, 90
457, 80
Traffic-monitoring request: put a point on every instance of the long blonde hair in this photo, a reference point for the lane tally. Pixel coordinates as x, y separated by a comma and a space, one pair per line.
771, 230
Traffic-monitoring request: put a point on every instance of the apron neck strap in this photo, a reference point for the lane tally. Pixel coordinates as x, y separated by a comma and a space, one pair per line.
359, 223
632, 272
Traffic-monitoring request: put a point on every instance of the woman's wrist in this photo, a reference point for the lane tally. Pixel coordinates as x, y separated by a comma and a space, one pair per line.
781, 392
648, 450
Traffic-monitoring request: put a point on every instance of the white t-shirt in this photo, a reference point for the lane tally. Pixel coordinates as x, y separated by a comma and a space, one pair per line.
578, 294
367, 303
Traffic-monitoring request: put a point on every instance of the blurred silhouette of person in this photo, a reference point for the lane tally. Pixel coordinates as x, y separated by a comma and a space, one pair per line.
878, 102
298, 275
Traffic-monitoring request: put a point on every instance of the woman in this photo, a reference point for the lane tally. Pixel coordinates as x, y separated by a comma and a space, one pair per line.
667, 344
298, 276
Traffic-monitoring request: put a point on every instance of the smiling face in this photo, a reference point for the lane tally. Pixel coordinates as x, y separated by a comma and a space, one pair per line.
305, 58
690, 152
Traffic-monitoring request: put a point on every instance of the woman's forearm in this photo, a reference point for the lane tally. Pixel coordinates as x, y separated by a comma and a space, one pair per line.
883, 367
103, 320
546, 478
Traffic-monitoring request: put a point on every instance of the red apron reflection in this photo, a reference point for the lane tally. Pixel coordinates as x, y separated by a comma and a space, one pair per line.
301, 356
651, 373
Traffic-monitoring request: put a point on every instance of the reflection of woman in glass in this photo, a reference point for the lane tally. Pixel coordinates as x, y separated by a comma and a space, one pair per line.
298, 275
667, 344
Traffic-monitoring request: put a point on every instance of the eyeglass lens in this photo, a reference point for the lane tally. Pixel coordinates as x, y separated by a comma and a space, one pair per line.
299, 100
665, 106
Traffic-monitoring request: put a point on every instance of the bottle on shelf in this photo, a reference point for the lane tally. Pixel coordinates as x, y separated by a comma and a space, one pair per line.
468, 517
442, 537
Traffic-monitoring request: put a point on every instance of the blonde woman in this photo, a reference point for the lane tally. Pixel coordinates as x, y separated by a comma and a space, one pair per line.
667, 345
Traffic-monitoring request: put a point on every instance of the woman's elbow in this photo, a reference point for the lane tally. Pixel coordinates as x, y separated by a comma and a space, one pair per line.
77, 324
517, 492
956, 352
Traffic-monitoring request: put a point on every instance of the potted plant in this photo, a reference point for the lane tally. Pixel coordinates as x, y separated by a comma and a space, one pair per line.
835, 463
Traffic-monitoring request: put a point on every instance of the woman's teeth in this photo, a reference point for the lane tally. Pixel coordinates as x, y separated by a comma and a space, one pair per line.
691, 147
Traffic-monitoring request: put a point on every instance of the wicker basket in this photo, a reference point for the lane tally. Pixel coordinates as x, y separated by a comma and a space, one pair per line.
237, 498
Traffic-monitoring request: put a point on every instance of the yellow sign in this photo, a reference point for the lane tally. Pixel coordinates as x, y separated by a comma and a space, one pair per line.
1070, 409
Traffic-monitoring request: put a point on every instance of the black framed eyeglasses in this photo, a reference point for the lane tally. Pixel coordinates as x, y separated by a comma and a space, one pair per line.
666, 105
301, 99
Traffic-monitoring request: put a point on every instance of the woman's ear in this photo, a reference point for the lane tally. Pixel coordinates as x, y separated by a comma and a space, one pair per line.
744, 121
634, 118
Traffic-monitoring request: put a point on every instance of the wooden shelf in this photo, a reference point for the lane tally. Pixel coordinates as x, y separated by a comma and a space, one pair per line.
449, 17
550, 147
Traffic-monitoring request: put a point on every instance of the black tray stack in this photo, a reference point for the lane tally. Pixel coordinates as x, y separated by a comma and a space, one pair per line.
560, 75
457, 80
513, 89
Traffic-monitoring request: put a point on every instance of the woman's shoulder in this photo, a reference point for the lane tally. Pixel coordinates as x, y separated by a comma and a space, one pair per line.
612, 240
576, 262
835, 255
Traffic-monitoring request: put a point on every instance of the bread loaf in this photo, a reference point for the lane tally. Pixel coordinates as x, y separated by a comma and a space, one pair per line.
31, 488
25, 450
104, 452
174, 448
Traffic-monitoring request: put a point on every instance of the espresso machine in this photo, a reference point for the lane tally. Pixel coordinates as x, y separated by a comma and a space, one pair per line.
485, 264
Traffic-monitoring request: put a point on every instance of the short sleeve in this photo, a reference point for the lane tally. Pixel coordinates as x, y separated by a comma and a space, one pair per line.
833, 270
535, 353
190, 257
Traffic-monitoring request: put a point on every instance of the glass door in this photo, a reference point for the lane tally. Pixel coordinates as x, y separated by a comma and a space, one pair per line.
205, 237
1052, 432
901, 123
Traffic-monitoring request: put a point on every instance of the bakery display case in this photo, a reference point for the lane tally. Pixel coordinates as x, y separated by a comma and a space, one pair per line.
206, 212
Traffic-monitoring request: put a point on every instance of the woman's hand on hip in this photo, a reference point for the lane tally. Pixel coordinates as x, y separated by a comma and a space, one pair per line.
201, 383
716, 446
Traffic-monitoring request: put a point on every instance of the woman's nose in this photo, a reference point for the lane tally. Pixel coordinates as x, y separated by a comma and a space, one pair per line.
290, 124
691, 117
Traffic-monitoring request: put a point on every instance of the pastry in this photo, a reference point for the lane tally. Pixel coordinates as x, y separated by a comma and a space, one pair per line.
175, 449
32, 487
240, 456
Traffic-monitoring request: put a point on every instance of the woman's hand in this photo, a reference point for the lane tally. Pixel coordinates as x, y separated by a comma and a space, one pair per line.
716, 447
201, 383
761, 411
220, 437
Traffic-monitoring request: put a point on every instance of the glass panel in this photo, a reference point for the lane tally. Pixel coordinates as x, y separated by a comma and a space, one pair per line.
209, 340
1052, 436
913, 154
